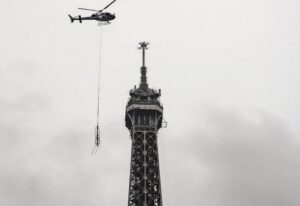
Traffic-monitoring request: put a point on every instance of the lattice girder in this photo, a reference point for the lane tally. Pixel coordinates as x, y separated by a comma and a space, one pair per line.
144, 186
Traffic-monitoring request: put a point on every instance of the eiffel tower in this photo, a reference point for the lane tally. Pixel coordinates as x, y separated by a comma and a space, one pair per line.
144, 114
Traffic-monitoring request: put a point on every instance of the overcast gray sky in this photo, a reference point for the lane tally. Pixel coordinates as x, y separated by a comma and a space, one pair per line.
229, 74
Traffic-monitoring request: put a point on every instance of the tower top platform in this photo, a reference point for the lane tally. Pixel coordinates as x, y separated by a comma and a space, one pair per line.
143, 95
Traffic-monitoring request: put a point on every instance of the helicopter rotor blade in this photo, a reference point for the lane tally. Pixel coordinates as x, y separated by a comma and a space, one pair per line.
88, 9
107, 5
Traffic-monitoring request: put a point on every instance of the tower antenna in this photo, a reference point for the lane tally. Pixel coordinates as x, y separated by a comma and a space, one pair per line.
143, 83
143, 46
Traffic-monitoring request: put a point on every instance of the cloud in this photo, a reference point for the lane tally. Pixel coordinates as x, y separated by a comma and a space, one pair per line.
242, 53
226, 157
44, 163
234, 159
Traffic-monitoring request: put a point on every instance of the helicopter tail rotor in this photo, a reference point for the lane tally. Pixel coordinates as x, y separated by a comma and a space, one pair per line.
71, 18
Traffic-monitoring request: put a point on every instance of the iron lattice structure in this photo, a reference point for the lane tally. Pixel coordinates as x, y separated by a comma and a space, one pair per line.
144, 114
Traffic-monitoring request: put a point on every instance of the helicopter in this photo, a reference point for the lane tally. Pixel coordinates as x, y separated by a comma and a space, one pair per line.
99, 16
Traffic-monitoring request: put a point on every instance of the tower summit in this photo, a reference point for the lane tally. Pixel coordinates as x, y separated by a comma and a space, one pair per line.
143, 84
143, 46
143, 119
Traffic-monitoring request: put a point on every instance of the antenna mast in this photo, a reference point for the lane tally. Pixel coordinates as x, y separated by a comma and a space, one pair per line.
143, 84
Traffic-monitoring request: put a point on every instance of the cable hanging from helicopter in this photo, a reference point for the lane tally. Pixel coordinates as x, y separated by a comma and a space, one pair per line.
103, 18
97, 128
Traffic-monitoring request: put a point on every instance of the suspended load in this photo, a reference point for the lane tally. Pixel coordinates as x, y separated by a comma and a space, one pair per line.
103, 18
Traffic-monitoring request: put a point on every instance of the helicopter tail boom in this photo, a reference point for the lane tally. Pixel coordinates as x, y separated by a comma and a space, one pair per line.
79, 18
